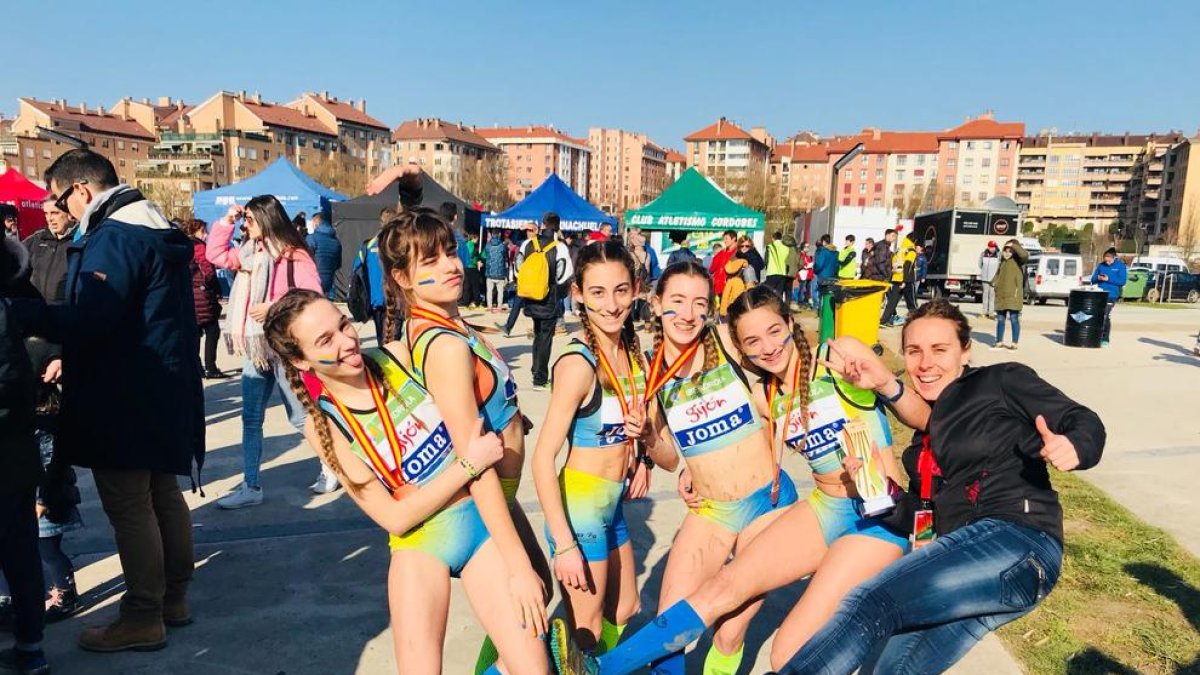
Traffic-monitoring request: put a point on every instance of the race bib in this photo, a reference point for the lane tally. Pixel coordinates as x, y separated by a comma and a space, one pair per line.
826, 420
699, 419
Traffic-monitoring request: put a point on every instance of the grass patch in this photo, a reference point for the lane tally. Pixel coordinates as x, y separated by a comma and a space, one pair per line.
1127, 601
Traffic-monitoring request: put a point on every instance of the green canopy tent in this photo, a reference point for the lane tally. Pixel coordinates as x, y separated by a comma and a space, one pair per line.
697, 205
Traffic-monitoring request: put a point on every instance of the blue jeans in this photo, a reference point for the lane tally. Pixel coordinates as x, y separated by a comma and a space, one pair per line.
1014, 317
934, 604
514, 311
1108, 308
256, 394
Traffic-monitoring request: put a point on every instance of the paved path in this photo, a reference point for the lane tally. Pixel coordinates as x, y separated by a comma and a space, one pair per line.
296, 585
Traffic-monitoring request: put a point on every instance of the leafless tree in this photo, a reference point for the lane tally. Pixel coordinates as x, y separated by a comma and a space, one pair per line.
485, 182
174, 201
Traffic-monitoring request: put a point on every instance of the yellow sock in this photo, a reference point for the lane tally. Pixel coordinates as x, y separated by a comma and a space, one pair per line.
487, 656
610, 634
717, 663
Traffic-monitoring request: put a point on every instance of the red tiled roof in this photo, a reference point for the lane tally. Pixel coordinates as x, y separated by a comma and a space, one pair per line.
436, 129
167, 116
817, 152
348, 113
673, 156
904, 142
984, 128
721, 130
92, 120
526, 132
277, 115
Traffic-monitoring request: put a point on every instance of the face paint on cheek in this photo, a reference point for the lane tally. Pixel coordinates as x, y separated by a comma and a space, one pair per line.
669, 312
329, 362
426, 280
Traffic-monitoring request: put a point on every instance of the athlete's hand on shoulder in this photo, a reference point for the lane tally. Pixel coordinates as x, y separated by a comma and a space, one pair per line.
690, 496
571, 570
530, 596
857, 364
484, 450
639, 480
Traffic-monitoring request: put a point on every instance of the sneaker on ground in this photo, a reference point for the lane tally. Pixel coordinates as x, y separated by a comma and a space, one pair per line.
1012, 346
997, 347
23, 662
327, 481
1104, 343
242, 496
541, 387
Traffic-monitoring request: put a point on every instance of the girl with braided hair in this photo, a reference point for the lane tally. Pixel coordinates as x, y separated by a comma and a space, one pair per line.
378, 429
596, 406
469, 381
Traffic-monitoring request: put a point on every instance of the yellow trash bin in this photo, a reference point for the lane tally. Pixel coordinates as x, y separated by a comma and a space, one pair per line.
857, 304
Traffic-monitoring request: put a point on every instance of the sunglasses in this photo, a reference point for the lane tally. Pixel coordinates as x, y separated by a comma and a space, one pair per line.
61, 202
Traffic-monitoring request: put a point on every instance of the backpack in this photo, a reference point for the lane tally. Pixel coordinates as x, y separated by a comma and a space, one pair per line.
533, 277
358, 300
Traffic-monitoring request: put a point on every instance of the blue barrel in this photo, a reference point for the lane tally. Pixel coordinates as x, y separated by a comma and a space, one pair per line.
1085, 318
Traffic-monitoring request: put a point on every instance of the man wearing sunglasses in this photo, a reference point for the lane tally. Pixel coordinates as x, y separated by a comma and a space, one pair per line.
132, 405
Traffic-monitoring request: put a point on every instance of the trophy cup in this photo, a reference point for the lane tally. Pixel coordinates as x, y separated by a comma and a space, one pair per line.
870, 479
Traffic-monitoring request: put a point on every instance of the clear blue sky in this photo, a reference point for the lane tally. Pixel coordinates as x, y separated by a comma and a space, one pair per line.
662, 68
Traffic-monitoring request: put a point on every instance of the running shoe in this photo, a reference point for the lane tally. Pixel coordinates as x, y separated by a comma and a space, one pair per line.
569, 659
1012, 346
998, 346
240, 497
23, 662
327, 481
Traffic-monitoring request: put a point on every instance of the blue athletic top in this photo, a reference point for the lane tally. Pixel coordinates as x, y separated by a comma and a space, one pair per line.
495, 388
426, 448
713, 414
600, 423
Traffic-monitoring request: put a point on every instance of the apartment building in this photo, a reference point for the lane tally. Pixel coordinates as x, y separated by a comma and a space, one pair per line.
676, 164
362, 138
531, 153
445, 150
729, 154
44, 130
978, 159
1074, 180
1145, 188
627, 171
1178, 220
800, 170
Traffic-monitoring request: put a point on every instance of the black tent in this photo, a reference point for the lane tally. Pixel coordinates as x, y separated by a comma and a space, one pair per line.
357, 220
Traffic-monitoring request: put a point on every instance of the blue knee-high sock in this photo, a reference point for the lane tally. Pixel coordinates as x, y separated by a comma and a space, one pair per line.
669, 632
672, 665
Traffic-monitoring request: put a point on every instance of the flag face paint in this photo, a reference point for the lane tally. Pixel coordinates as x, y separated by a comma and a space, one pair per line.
669, 312
329, 362
426, 280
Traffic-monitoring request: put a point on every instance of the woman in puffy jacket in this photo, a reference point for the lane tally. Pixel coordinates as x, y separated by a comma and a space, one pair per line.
271, 260
205, 295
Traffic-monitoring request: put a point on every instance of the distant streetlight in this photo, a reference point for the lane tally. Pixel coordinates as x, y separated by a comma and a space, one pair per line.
833, 180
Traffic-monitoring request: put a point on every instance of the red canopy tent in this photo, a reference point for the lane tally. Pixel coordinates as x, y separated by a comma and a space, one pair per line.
17, 190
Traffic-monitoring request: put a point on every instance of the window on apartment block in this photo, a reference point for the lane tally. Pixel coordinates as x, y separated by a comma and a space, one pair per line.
920, 160
862, 201
104, 143
879, 187
46, 154
951, 163
918, 173
985, 162
121, 163
863, 160
876, 202
953, 145
969, 162
901, 160
949, 180
1002, 180
845, 201
862, 174
898, 188
846, 188
987, 145
966, 196
241, 152
1004, 145
1003, 162
862, 188
253, 152
135, 147
878, 174
966, 180
970, 145
983, 196
29, 153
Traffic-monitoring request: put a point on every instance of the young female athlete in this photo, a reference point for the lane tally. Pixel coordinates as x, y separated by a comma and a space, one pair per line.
595, 405
468, 379
378, 429
703, 404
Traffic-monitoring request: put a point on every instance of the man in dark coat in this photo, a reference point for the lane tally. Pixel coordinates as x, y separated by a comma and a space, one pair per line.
48, 253
20, 471
326, 251
132, 403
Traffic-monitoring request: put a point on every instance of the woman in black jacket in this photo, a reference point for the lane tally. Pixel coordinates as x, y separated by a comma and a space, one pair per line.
988, 522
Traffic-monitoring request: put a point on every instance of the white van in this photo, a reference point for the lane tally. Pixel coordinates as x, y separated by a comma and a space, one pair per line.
1159, 264
1055, 275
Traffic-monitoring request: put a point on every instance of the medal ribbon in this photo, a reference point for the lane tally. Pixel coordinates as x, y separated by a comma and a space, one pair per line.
927, 467
616, 382
443, 321
780, 440
657, 378
394, 478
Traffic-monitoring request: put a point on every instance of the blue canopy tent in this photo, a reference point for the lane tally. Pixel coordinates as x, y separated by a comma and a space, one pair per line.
295, 190
552, 195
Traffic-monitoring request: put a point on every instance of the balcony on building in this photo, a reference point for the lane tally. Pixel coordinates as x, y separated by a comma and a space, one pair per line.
1032, 160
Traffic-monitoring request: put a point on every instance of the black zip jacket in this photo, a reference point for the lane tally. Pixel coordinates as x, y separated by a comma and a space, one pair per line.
48, 260
984, 438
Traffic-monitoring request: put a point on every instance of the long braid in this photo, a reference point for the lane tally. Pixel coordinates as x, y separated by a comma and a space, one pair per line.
711, 355
802, 388
589, 337
321, 424
633, 344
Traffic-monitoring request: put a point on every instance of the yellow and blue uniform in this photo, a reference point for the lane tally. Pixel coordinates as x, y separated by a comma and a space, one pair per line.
593, 503
833, 403
455, 533
716, 413
495, 389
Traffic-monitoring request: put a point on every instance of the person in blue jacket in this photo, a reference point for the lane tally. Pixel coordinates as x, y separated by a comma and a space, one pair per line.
326, 251
1110, 276
825, 267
